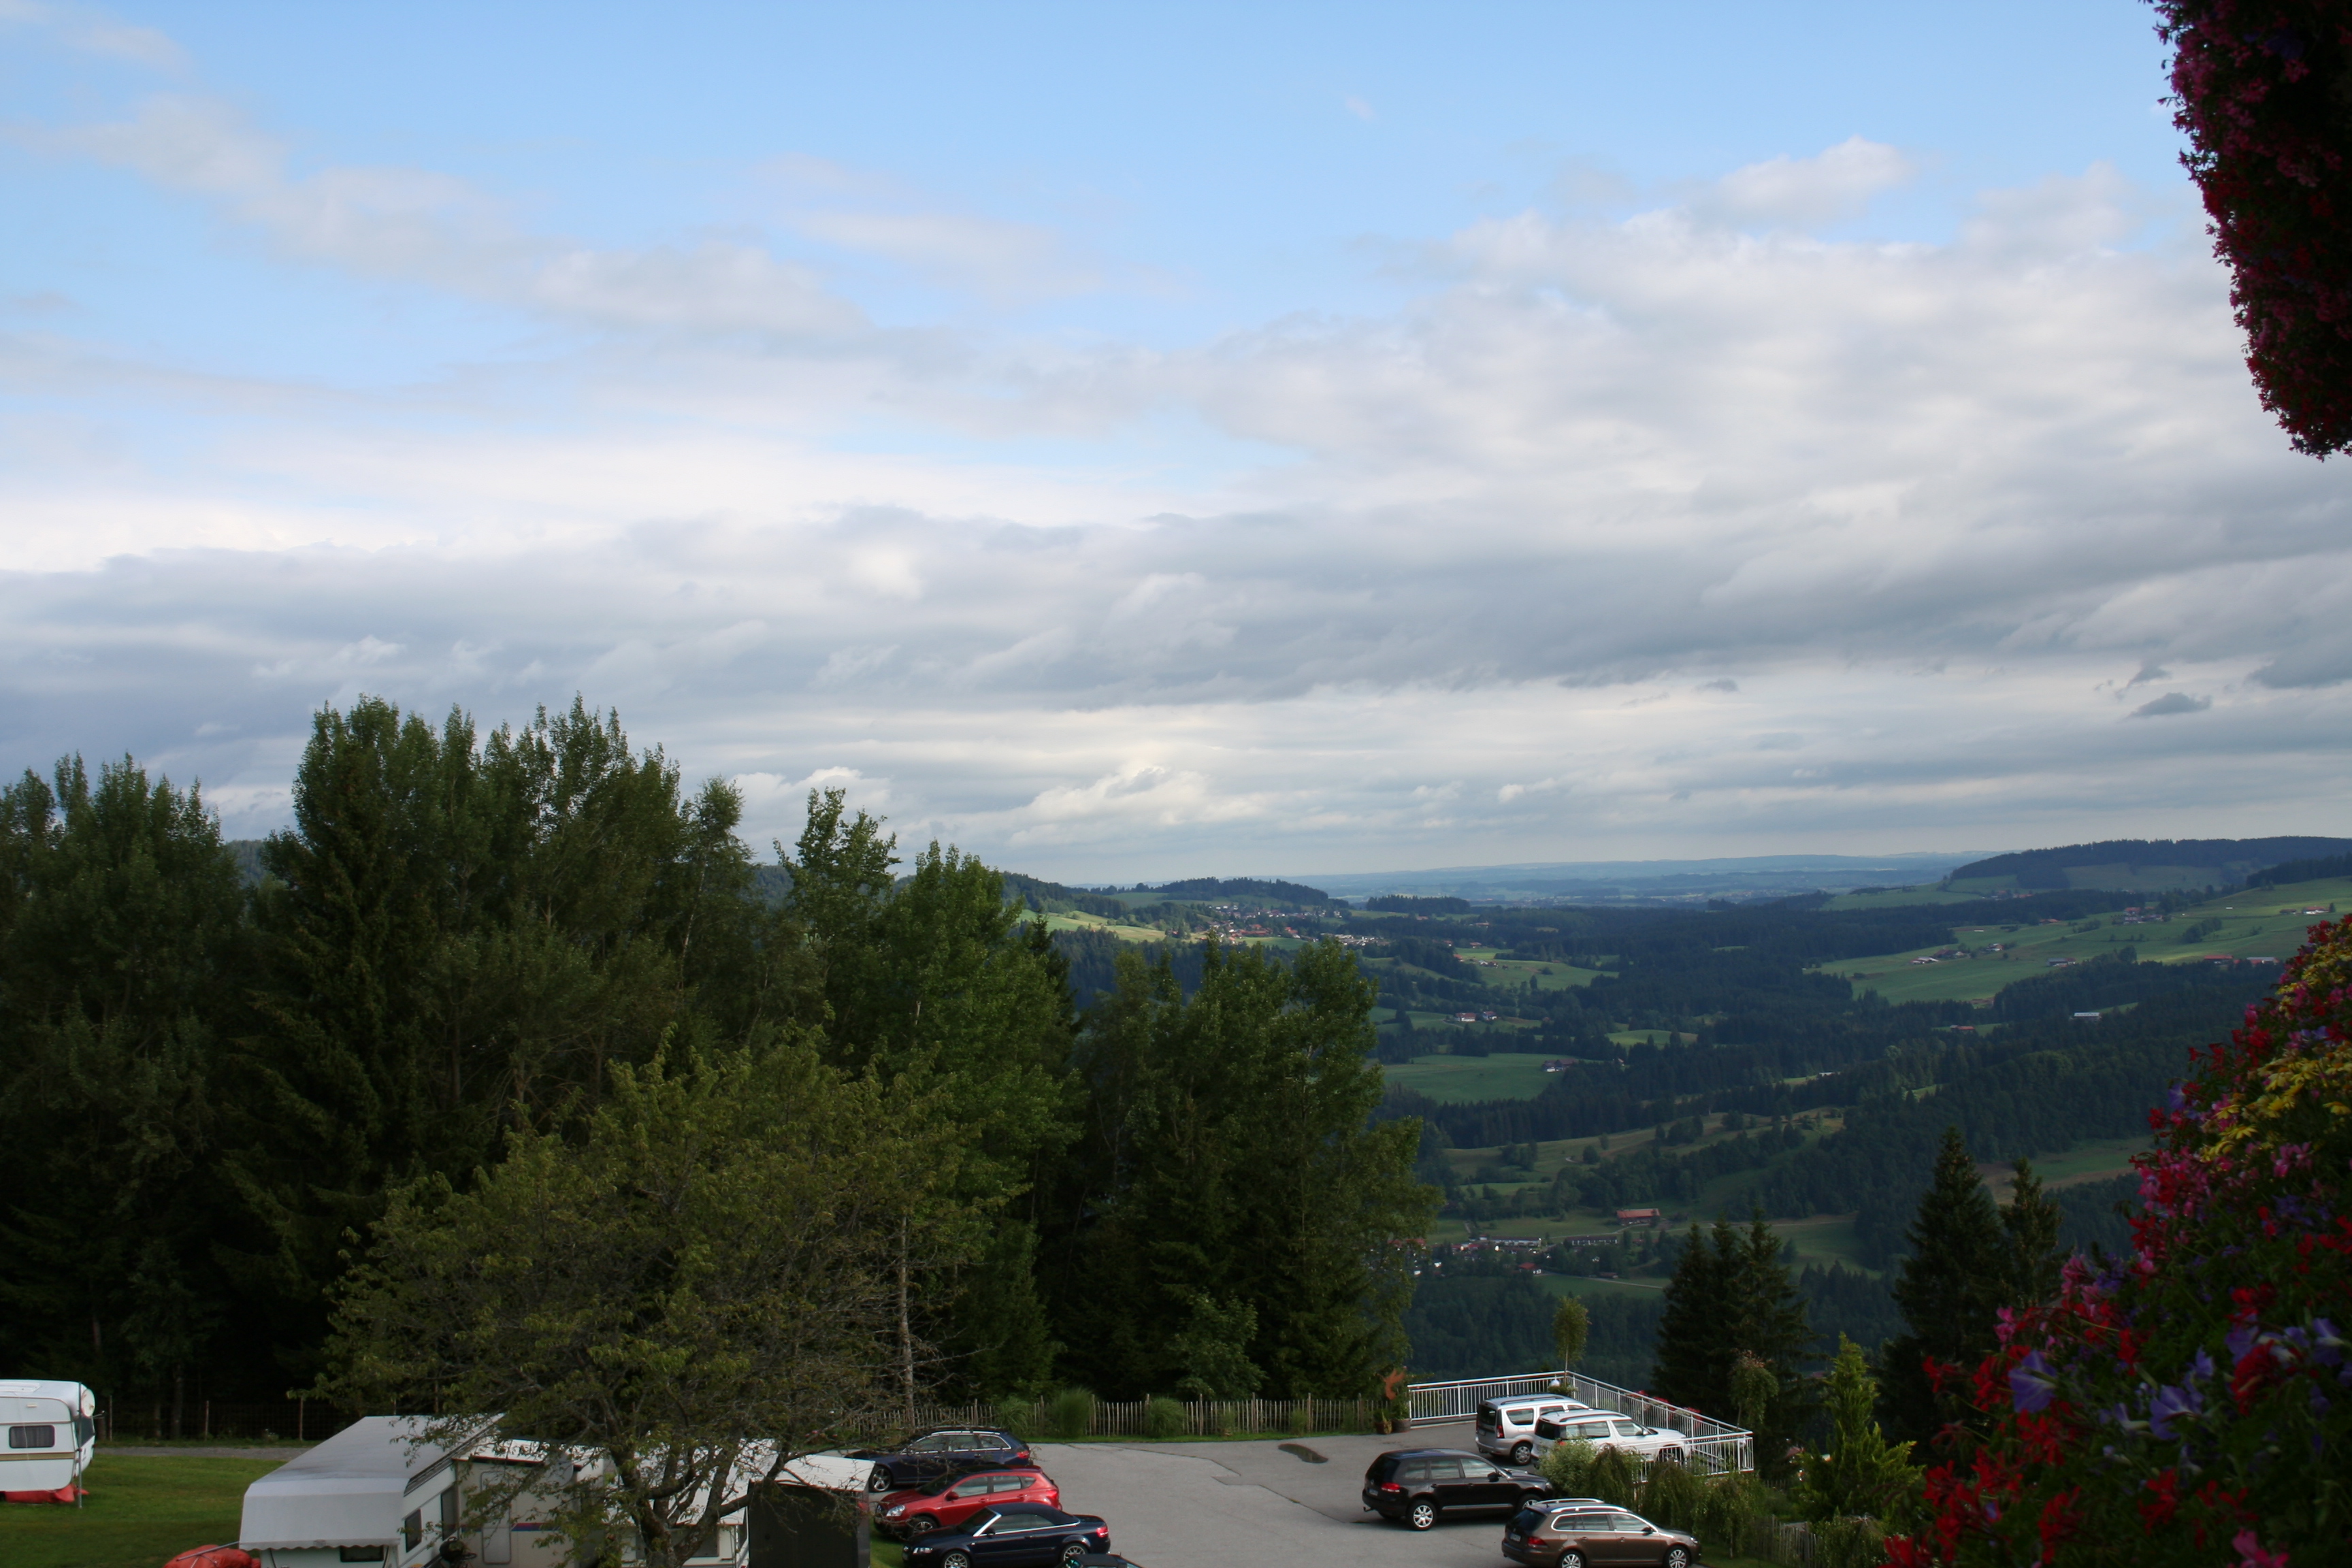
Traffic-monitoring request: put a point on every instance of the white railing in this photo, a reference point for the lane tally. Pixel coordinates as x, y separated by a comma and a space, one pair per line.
1713, 1447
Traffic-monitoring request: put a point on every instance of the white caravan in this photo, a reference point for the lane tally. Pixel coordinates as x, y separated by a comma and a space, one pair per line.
371, 1493
52, 1433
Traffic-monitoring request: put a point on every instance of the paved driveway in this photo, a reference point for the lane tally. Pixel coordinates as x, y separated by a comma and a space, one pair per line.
1216, 1505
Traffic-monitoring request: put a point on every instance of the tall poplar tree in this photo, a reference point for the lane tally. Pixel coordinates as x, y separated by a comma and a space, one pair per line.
123, 955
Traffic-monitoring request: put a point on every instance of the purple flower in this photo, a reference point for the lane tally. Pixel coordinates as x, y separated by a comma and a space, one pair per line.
2241, 1340
2031, 1385
2201, 1367
2328, 1345
2170, 1405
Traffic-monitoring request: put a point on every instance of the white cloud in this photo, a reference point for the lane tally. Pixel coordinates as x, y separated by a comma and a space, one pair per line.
1931, 505
1802, 192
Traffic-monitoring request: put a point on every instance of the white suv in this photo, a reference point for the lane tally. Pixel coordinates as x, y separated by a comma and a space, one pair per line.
1610, 1430
1506, 1428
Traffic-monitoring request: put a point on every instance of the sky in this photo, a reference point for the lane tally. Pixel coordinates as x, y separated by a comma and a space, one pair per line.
1158, 440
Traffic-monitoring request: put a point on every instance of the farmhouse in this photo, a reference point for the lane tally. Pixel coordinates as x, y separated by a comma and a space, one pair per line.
1640, 1216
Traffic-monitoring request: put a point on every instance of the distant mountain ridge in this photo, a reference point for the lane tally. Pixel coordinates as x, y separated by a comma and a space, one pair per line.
2121, 862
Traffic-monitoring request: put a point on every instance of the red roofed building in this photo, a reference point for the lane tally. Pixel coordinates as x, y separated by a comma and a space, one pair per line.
1638, 1217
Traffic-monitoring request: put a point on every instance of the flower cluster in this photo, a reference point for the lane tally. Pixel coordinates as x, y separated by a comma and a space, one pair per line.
2183, 1404
2258, 88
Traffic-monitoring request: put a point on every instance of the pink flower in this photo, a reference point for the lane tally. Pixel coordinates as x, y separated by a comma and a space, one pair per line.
2252, 1556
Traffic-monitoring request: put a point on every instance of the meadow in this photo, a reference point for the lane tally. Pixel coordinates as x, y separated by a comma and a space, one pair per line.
139, 1512
1461, 1080
2254, 922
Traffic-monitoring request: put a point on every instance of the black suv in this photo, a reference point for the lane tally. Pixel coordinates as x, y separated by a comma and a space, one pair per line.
939, 1454
1414, 1486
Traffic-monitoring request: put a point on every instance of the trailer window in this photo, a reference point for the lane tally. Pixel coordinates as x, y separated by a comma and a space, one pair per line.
412, 1531
449, 1512
32, 1437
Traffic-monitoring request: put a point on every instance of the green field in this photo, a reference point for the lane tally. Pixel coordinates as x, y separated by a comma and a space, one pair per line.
2258, 922
1458, 1080
139, 1512
2093, 1160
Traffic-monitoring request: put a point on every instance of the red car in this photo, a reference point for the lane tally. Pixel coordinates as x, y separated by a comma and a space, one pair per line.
946, 1504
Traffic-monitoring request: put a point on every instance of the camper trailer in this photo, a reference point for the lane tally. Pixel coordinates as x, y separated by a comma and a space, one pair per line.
52, 1432
374, 1493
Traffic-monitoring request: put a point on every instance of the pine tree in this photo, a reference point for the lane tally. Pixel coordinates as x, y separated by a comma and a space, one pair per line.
1731, 1299
1692, 1356
1949, 1287
2030, 1223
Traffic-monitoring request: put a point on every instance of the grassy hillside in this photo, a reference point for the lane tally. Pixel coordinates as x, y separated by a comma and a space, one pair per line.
2252, 922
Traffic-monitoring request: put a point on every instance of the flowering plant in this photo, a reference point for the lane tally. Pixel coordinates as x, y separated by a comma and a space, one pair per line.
2260, 88
2190, 1403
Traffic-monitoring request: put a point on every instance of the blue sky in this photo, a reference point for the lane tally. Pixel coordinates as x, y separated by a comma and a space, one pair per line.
1151, 441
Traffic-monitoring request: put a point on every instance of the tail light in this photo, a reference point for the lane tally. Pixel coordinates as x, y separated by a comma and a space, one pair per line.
1390, 1488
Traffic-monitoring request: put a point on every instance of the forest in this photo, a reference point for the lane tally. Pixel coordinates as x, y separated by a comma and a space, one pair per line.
217, 1085
1168, 1166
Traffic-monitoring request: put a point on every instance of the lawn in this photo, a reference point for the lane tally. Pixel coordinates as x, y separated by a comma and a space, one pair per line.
1459, 1080
140, 1511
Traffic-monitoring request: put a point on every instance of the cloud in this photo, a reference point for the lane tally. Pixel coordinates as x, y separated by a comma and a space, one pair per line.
1802, 192
424, 226
1454, 578
2169, 703
1358, 107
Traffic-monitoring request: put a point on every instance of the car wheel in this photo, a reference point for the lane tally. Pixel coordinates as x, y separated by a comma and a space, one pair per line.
877, 1479
1571, 1559
1073, 1551
1522, 1452
921, 1524
1422, 1515
1677, 1557
957, 1560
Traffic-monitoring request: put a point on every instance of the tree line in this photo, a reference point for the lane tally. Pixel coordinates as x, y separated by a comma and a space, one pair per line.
216, 1088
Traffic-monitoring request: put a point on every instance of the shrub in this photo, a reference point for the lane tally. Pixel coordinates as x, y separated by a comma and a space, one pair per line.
1302, 1419
1733, 1516
1848, 1543
1019, 1418
1672, 1497
1613, 1479
1070, 1414
1566, 1466
1163, 1419
2178, 1407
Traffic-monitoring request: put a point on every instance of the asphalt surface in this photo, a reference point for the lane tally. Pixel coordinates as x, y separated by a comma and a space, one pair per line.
1210, 1505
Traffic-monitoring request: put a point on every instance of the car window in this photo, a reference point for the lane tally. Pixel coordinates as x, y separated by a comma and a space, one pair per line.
1445, 1469
1553, 1410
983, 1522
1412, 1470
1592, 1431
1627, 1522
1627, 1429
931, 1445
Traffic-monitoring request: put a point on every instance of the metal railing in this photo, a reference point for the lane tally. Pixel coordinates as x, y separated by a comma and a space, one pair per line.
1711, 1446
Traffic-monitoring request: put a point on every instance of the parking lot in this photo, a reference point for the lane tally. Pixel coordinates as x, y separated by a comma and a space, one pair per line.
1211, 1505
